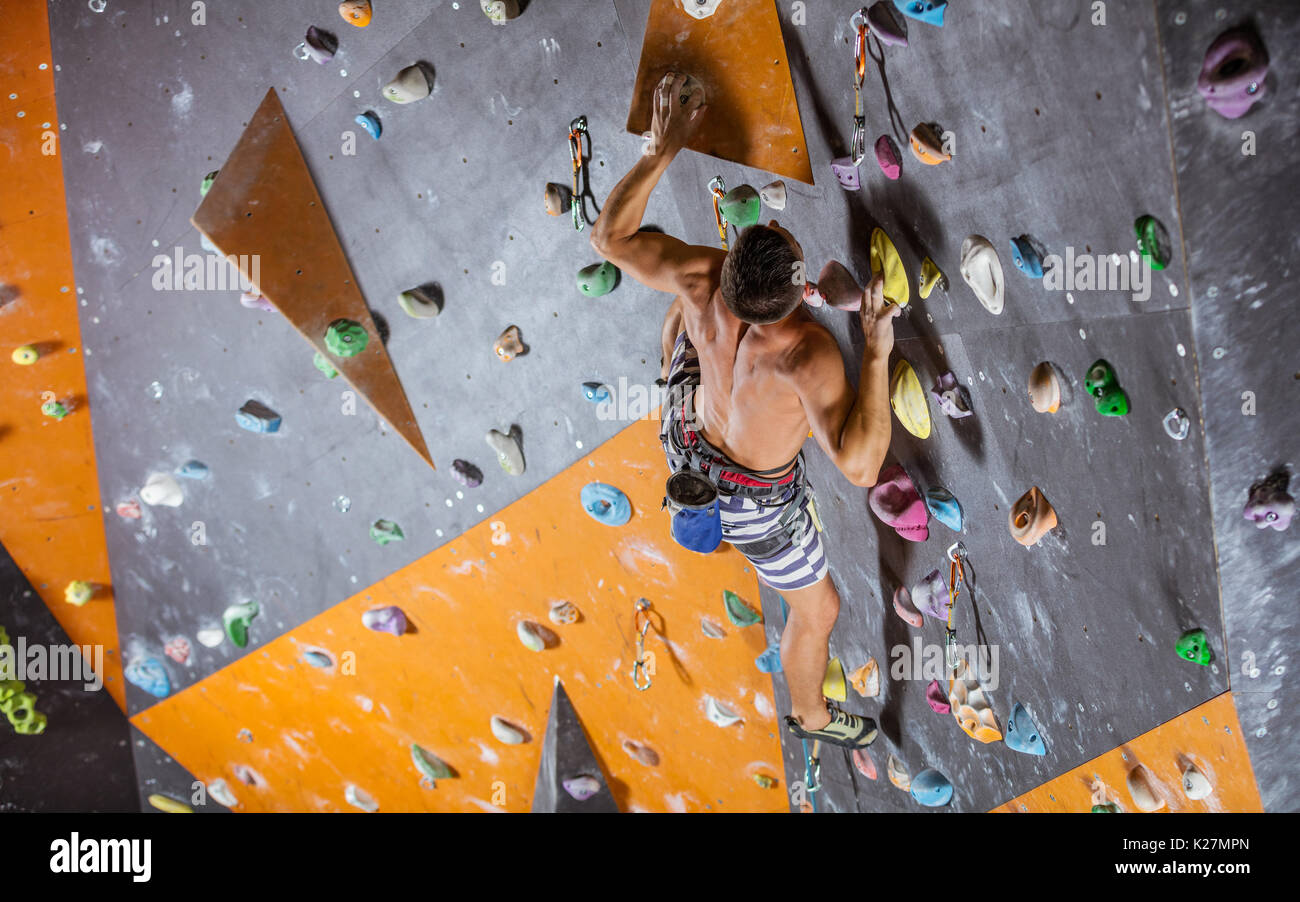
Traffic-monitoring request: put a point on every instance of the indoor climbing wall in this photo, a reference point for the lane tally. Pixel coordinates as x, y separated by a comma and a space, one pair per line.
275, 538
1229, 173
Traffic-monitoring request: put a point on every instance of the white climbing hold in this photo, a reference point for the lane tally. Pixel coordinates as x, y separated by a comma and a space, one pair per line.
359, 798
773, 195
563, 613
220, 790
529, 634
211, 637
1195, 784
898, 774
1142, 787
719, 713
162, 488
506, 732
982, 270
711, 629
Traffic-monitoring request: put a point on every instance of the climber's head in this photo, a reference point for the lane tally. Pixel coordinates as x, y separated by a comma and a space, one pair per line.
763, 275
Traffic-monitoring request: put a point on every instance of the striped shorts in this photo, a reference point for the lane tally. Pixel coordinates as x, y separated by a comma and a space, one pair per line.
801, 563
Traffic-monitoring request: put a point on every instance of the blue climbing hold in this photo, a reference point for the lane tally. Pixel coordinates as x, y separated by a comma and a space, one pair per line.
370, 122
944, 507
317, 659
928, 11
931, 788
770, 660
1022, 733
1026, 258
193, 469
150, 675
595, 392
257, 417
606, 504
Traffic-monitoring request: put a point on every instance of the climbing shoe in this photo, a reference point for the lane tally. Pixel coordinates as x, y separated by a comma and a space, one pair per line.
848, 730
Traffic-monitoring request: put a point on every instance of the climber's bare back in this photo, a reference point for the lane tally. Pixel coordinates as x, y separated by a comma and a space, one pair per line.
747, 404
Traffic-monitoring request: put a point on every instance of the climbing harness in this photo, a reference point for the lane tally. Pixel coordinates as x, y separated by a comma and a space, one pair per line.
577, 128
718, 188
859, 23
956, 576
642, 626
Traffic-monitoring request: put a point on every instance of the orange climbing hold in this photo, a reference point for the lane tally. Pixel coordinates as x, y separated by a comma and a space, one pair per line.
355, 12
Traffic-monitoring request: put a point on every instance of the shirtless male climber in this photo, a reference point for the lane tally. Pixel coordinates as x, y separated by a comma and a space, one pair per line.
749, 373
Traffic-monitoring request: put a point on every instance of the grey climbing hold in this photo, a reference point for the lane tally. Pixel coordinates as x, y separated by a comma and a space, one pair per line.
509, 453
1177, 424
421, 302
773, 194
410, 85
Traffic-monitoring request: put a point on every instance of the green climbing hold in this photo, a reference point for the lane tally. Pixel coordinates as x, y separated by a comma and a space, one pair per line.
430, 764
385, 531
1102, 383
55, 409
1193, 646
1108, 808
738, 612
323, 364
1153, 241
597, 279
207, 182
741, 207
346, 338
237, 619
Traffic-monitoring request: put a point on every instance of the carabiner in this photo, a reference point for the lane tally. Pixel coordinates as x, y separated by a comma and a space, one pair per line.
577, 128
641, 627
719, 190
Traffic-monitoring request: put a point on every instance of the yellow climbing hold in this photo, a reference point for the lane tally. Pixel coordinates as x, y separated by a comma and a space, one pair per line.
765, 781
26, 355
908, 400
833, 685
931, 276
78, 592
171, 806
885, 259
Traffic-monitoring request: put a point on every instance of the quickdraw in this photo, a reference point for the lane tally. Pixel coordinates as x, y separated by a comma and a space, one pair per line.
956, 576
858, 22
812, 771
718, 188
577, 128
639, 668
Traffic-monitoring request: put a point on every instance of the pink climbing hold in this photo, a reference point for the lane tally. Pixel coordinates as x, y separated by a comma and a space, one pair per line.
862, 761
903, 607
129, 510
178, 649
938, 698
837, 285
895, 500
891, 164
385, 620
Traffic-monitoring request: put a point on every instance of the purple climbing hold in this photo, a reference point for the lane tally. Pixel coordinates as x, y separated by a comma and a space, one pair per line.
886, 25
951, 396
1232, 77
466, 473
385, 620
891, 164
1269, 503
930, 595
847, 172
937, 698
254, 301
320, 45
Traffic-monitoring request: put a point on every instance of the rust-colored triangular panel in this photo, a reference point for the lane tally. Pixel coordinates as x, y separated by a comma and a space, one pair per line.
265, 202
739, 56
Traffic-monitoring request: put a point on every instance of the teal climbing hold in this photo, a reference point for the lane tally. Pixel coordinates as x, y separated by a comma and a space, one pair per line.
193, 469
385, 531
370, 122
931, 788
741, 206
606, 504
1026, 258
430, 764
928, 11
597, 279
317, 659
770, 660
595, 392
738, 612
